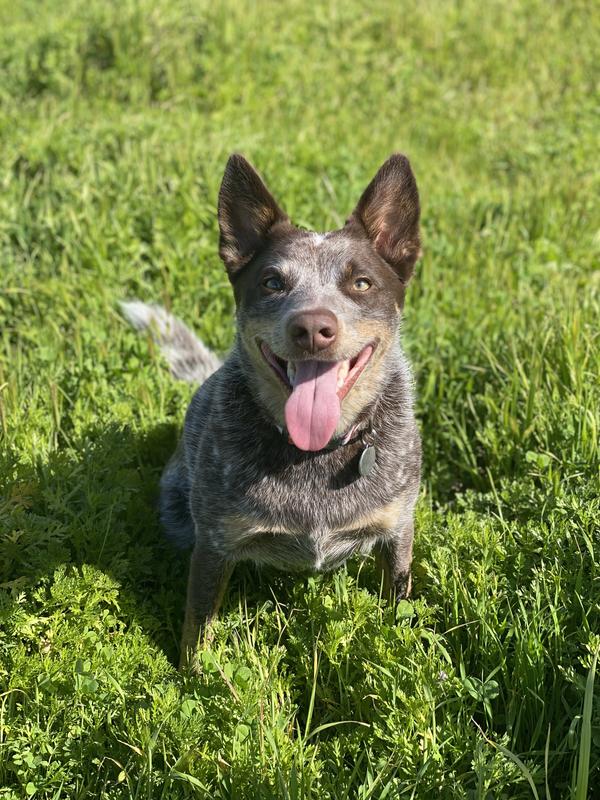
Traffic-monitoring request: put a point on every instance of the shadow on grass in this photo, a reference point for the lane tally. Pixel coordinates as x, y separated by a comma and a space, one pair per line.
95, 504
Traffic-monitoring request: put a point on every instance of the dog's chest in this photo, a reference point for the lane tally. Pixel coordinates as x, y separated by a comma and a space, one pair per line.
305, 512
317, 548
315, 544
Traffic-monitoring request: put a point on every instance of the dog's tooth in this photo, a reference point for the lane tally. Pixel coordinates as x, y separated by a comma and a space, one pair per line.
291, 372
342, 373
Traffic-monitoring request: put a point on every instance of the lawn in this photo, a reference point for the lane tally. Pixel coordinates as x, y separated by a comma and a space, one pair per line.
116, 120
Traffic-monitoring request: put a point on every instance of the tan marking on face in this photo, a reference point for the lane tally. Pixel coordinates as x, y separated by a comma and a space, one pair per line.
369, 382
351, 339
272, 392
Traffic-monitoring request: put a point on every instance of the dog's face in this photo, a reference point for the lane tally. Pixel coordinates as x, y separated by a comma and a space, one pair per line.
317, 313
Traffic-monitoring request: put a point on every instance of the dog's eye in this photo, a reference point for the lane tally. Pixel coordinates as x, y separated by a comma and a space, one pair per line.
273, 283
362, 284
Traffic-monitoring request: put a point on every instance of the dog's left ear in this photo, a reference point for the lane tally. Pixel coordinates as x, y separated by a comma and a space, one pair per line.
388, 211
247, 212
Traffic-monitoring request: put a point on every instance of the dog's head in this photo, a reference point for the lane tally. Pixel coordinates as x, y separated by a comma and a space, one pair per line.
318, 314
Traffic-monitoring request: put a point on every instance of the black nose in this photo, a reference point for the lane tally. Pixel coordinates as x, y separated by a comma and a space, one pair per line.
313, 330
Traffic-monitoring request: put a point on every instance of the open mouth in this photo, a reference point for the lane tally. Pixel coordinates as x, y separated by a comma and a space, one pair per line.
316, 390
348, 371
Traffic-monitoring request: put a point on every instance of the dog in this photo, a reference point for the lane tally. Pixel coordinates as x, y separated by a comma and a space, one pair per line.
301, 448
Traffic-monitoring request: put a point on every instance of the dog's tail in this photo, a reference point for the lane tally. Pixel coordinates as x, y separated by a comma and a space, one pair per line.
189, 359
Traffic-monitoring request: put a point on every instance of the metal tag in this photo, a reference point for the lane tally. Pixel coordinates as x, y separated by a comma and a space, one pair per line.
367, 460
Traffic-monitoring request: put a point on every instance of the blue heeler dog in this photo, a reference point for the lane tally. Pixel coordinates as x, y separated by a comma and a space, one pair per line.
301, 447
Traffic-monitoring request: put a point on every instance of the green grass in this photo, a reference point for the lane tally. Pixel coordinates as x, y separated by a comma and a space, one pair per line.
115, 123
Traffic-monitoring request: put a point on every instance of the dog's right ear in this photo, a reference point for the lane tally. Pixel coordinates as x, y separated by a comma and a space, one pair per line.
247, 212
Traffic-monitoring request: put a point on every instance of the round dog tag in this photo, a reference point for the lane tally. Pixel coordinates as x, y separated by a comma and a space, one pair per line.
367, 460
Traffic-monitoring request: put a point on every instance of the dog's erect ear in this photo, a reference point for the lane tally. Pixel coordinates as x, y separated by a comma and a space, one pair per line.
389, 213
247, 212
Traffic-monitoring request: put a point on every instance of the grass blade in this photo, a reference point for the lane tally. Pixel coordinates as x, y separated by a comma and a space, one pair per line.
585, 740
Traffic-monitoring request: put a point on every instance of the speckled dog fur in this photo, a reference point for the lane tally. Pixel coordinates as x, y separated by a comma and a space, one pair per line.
236, 488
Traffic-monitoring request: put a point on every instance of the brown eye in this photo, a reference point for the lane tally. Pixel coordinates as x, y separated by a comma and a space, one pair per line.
273, 283
362, 284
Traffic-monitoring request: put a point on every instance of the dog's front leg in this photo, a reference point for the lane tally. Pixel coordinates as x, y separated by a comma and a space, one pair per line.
394, 556
208, 576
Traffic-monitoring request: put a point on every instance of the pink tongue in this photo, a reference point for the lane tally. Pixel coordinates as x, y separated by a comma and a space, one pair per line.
313, 409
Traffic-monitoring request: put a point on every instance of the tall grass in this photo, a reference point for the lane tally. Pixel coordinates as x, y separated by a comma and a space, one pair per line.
115, 123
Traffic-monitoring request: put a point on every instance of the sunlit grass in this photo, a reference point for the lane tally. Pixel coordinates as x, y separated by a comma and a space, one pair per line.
115, 124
